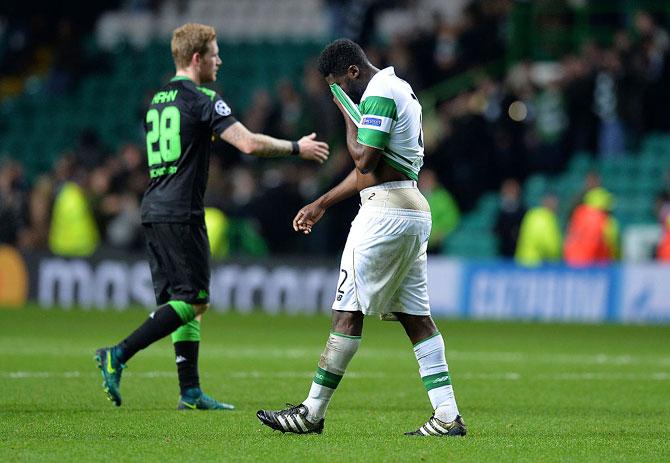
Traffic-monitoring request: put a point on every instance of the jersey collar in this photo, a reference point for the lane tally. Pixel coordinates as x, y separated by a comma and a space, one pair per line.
176, 78
388, 71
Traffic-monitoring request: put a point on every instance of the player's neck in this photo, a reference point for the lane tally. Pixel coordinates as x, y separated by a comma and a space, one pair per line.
367, 73
188, 73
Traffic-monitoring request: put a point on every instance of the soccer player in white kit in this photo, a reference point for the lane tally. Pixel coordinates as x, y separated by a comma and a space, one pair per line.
383, 269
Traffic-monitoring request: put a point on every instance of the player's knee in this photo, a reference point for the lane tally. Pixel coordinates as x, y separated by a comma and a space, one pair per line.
349, 323
200, 308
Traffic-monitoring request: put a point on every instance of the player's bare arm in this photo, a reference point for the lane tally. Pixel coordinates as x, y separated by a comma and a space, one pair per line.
265, 146
312, 213
369, 171
365, 157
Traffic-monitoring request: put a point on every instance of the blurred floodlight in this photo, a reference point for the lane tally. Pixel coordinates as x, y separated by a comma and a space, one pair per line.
517, 111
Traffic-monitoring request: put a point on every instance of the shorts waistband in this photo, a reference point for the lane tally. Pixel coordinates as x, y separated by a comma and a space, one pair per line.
389, 186
392, 212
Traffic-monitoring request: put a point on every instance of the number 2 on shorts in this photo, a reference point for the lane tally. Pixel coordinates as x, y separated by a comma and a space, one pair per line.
340, 291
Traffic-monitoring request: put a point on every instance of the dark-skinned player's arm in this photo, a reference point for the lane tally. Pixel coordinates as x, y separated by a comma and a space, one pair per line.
310, 214
258, 144
365, 157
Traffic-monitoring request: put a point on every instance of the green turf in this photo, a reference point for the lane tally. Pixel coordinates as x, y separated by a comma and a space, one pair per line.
528, 392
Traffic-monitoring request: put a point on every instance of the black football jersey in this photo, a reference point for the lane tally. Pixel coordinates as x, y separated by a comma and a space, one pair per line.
179, 125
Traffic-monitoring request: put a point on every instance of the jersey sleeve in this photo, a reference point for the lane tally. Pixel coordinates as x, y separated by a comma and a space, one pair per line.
216, 113
378, 115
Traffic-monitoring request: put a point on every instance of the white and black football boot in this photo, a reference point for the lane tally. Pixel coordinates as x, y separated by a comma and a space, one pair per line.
436, 427
292, 419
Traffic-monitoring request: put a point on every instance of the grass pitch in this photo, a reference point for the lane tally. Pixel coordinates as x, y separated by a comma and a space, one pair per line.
528, 392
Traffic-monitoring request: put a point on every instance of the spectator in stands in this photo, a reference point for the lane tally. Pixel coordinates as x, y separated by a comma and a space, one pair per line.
591, 180
319, 108
73, 229
663, 248
607, 105
443, 209
481, 38
578, 94
217, 232
276, 205
662, 210
104, 206
508, 220
89, 152
540, 234
399, 53
13, 199
593, 234
549, 123
465, 158
258, 116
630, 88
235, 195
290, 112
115, 190
476, 144
445, 50
129, 171
653, 66
36, 232
511, 126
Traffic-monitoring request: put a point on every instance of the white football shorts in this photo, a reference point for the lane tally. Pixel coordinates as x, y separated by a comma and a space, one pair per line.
383, 265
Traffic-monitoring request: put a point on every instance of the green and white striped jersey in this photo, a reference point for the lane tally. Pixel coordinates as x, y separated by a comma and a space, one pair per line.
391, 121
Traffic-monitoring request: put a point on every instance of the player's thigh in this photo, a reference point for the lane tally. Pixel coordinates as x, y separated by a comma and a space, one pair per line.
157, 266
185, 251
411, 296
374, 263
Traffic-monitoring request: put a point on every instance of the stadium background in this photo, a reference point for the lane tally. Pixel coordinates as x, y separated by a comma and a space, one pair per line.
521, 101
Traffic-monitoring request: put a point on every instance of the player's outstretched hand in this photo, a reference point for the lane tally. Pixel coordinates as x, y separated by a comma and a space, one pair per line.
313, 150
307, 217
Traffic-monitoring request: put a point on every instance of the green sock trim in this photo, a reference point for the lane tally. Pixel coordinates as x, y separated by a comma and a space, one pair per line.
183, 309
335, 333
436, 380
326, 378
429, 337
187, 332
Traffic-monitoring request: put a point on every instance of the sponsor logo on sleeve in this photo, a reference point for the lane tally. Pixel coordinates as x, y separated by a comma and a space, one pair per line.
374, 121
222, 108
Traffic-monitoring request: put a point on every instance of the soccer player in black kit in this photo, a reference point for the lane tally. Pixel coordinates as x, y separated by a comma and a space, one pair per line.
179, 125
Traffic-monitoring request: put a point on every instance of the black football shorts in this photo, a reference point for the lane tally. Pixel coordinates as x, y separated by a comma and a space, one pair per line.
179, 260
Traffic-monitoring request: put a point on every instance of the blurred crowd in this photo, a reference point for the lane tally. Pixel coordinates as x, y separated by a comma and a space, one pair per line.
592, 235
534, 236
538, 115
529, 119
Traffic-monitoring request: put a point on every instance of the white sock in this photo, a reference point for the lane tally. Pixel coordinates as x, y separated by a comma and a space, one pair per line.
339, 350
434, 373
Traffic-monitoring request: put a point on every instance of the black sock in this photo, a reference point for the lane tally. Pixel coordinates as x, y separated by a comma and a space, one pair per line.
186, 353
159, 324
